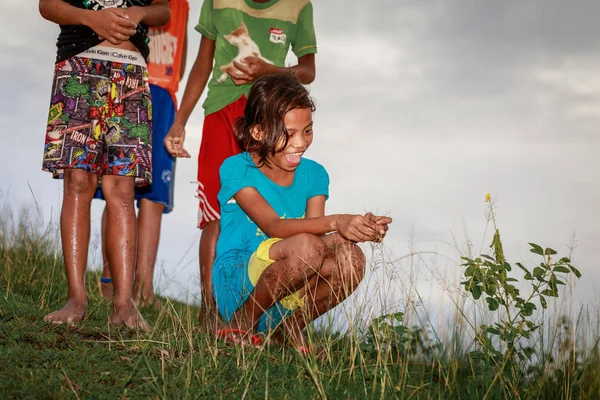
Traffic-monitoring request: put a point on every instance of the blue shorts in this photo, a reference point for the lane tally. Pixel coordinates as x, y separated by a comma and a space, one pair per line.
163, 165
234, 278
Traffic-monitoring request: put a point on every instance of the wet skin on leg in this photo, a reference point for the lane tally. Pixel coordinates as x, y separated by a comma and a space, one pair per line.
121, 241
79, 187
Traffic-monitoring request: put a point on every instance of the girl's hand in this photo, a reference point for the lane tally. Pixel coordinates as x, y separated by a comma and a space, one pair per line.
382, 227
112, 24
356, 228
174, 141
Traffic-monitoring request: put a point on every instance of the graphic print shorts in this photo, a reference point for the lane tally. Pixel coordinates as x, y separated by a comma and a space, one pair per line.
100, 117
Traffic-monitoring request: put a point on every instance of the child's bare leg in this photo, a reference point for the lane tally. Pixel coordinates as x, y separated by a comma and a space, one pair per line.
342, 271
121, 247
297, 260
149, 221
106, 288
209, 317
79, 186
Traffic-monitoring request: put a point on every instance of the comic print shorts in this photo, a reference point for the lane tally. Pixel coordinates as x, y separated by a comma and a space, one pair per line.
100, 117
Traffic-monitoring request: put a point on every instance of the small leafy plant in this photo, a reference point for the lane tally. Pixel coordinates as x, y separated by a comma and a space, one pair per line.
489, 277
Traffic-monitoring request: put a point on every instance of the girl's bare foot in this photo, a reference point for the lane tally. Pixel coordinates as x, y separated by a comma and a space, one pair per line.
72, 313
295, 339
317, 351
240, 337
306, 349
129, 316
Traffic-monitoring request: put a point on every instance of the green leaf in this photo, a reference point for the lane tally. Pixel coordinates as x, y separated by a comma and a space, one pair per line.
488, 257
511, 280
512, 290
476, 355
527, 309
549, 251
543, 302
491, 289
399, 316
528, 351
492, 303
400, 329
532, 327
497, 267
536, 249
469, 271
549, 293
522, 267
507, 266
575, 271
562, 269
538, 272
493, 331
476, 291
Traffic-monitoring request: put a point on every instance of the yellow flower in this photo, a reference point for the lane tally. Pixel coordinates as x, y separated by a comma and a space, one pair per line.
487, 197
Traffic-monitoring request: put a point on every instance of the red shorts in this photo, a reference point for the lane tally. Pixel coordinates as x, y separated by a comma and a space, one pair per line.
218, 143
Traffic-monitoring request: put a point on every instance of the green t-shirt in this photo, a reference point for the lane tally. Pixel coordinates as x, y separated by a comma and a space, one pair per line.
273, 26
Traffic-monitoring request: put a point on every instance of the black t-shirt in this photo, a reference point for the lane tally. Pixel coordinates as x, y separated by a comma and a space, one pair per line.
73, 39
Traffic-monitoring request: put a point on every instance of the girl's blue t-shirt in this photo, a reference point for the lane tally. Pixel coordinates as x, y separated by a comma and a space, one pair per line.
240, 236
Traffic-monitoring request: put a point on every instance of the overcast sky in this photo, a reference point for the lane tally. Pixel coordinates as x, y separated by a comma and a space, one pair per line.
422, 108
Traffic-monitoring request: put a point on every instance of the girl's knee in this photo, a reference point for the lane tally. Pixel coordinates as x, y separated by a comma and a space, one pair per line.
309, 247
352, 265
299, 261
358, 258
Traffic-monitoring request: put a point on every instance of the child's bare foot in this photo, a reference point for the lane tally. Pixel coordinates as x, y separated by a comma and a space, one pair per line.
130, 317
274, 338
106, 288
239, 337
147, 302
305, 349
295, 339
299, 343
317, 351
72, 313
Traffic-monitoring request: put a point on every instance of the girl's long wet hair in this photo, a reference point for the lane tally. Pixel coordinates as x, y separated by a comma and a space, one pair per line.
270, 98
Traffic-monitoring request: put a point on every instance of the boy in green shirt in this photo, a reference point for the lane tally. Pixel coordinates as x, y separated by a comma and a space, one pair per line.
244, 40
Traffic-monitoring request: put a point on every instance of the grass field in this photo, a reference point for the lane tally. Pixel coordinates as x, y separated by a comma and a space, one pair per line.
386, 360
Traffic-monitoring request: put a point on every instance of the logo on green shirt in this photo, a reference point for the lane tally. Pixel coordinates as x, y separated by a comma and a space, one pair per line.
277, 35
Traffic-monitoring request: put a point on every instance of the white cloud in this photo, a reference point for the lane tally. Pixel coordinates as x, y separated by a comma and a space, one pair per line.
421, 110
